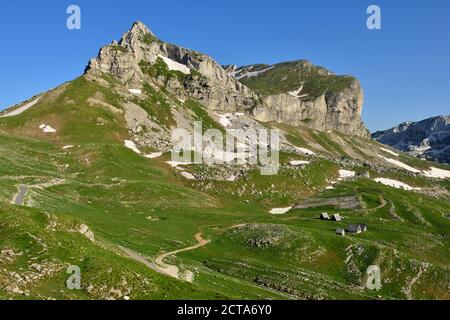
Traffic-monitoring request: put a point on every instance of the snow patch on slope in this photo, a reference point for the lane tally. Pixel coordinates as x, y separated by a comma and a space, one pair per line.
175, 66
252, 74
187, 175
299, 163
47, 129
346, 174
153, 155
305, 151
21, 109
135, 91
395, 184
400, 164
176, 164
224, 120
437, 173
296, 93
389, 151
132, 146
280, 210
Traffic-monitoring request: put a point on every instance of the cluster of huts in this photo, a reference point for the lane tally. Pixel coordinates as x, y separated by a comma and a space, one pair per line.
354, 228
335, 217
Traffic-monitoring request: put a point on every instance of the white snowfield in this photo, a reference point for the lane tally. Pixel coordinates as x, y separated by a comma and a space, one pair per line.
176, 164
390, 152
68, 147
153, 155
132, 146
299, 163
295, 93
305, 151
47, 129
332, 184
280, 210
135, 91
431, 173
21, 109
254, 73
400, 164
346, 174
175, 66
395, 184
187, 175
224, 120
437, 173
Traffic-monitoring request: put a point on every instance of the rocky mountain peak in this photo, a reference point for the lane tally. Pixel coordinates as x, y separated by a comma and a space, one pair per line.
138, 36
296, 93
140, 28
140, 58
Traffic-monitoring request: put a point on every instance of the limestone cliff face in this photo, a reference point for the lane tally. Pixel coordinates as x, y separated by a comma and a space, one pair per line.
311, 96
331, 111
344, 110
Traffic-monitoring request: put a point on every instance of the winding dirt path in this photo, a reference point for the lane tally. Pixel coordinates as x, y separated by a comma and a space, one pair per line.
20, 196
173, 270
383, 204
168, 269
201, 243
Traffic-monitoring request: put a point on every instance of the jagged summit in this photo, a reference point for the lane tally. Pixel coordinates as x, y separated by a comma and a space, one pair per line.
296, 93
134, 58
139, 27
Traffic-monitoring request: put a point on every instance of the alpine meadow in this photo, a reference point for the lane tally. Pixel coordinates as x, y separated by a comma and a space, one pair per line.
89, 187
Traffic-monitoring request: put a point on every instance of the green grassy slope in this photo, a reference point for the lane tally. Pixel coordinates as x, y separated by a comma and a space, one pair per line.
144, 205
289, 76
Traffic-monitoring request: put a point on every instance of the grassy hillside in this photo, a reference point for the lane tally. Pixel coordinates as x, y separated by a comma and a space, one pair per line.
131, 204
290, 76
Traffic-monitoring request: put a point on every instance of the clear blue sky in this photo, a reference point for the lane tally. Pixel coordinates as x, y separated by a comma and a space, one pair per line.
404, 68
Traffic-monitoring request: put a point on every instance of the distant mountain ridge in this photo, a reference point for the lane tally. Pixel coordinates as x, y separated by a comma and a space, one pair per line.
429, 138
